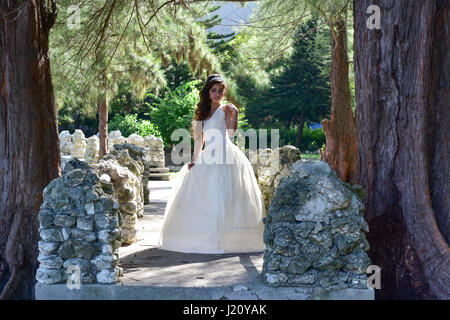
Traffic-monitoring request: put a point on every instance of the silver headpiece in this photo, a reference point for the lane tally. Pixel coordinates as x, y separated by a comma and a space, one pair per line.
216, 78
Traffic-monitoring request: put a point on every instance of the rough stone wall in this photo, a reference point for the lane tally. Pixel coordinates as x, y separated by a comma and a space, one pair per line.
115, 137
78, 144
79, 226
65, 142
140, 155
136, 139
137, 168
155, 153
126, 186
270, 166
132, 190
92, 150
315, 231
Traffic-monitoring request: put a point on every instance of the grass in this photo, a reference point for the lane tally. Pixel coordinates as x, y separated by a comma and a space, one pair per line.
310, 156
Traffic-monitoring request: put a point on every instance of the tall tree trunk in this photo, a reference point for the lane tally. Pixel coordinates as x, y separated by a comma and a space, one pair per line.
402, 96
301, 123
103, 127
340, 131
29, 142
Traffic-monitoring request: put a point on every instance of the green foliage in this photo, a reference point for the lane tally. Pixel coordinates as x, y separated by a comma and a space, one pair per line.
312, 139
175, 110
130, 123
214, 40
287, 136
310, 156
299, 85
71, 117
243, 122
113, 53
176, 75
126, 102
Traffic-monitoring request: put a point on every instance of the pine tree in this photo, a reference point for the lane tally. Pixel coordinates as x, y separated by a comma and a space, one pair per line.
301, 92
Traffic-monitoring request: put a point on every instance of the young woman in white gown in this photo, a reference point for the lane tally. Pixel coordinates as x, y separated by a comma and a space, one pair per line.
215, 205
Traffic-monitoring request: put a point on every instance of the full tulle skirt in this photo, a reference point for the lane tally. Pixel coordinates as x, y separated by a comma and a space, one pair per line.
216, 206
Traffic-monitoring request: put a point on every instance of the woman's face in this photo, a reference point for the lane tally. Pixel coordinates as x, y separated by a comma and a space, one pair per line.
216, 93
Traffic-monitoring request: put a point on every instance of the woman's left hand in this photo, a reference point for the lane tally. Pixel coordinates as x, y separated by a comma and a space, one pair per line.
230, 108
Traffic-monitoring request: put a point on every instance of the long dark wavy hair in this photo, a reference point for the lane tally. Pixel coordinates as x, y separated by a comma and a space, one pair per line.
203, 109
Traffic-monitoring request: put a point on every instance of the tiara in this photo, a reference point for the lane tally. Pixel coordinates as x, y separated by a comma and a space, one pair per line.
216, 78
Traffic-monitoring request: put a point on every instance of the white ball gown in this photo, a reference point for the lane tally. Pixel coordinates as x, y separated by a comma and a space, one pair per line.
217, 206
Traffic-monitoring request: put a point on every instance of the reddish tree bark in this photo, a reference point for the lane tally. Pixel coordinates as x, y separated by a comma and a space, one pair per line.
29, 142
340, 131
402, 96
103, 127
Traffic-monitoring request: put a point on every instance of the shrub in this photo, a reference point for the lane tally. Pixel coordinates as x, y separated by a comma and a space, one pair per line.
312, 139
175, 110
129, 124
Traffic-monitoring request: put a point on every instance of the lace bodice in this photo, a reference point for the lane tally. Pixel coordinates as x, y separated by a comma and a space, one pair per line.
215, 129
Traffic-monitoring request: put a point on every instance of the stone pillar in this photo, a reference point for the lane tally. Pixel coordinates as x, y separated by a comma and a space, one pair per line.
140, 155
136, 140
155, 154
115, 137
79, 144
92, 150
127, 189
315, 231
270, 166
137, 168
65, 142
156, 159
65, 147
79, 228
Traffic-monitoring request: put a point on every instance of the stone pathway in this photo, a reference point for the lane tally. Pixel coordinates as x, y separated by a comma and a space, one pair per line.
144, 264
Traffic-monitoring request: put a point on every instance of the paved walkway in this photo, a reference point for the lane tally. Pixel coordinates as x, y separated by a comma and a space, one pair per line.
144, 264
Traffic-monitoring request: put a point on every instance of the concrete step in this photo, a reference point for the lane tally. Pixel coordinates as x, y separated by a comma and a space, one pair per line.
175, 168
246, 291
159, 170
159, 176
